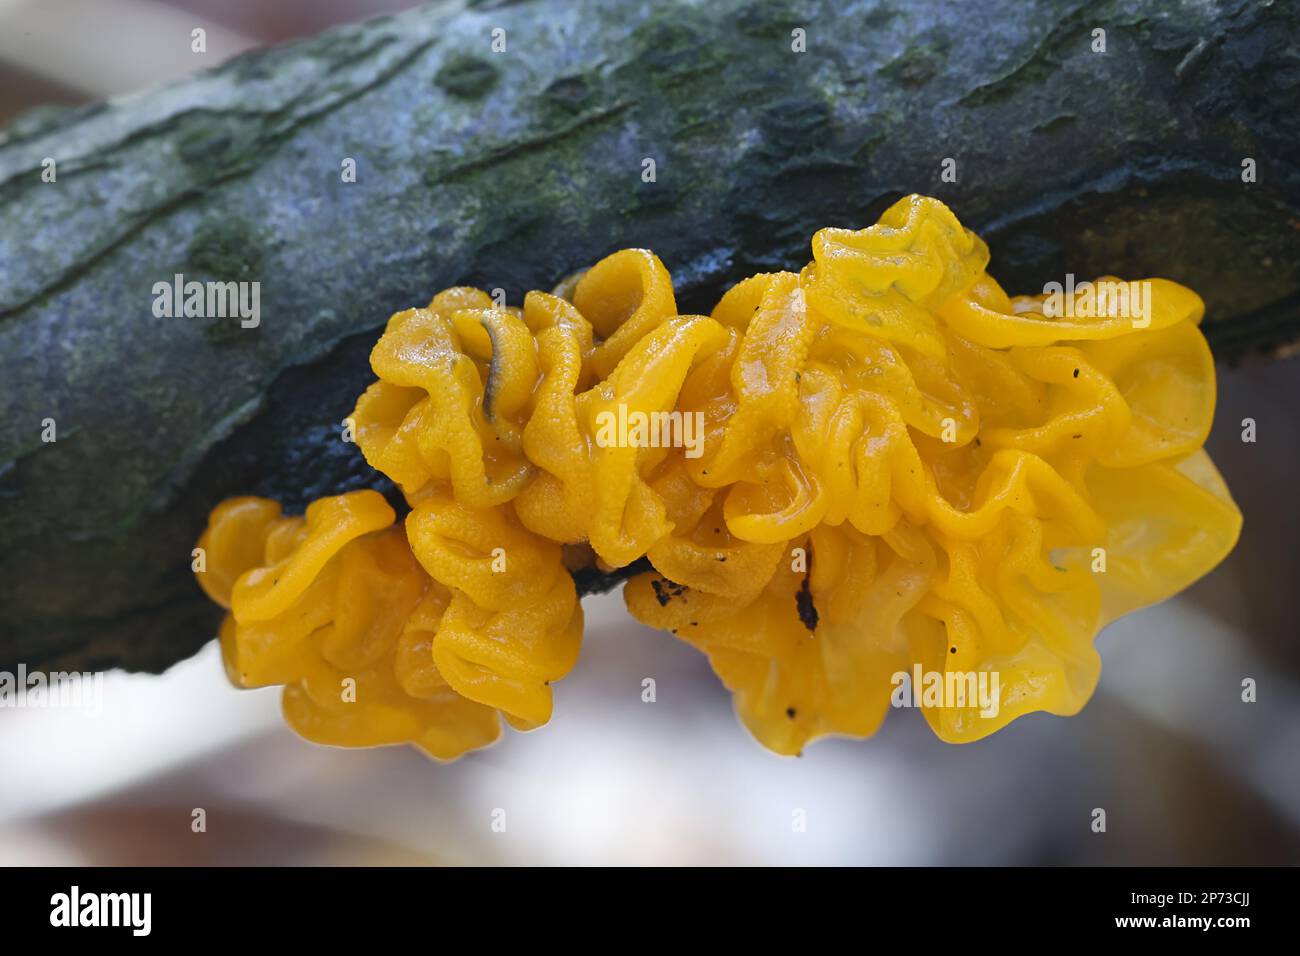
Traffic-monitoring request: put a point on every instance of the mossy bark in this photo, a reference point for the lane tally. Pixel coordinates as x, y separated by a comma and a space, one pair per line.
511, 169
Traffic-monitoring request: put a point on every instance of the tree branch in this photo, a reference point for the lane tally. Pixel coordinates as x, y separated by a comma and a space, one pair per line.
511, 170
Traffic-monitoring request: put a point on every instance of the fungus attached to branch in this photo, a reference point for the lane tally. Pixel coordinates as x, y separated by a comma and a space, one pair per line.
956, 459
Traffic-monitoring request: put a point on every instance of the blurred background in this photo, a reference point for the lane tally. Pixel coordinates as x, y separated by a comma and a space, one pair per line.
1186, 771
64, 52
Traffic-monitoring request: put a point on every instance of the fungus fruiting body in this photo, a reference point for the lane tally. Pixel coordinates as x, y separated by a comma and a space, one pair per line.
898, 465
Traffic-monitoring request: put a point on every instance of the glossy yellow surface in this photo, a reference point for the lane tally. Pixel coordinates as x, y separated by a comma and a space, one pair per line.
900, 465
334, 606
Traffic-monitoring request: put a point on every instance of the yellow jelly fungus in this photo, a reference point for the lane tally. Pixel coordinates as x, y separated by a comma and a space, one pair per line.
898, 467
334, 606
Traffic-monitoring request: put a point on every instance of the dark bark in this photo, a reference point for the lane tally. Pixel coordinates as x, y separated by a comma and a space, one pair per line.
511, 170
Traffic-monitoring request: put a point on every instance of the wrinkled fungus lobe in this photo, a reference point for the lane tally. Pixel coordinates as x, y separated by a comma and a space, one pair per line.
901, 465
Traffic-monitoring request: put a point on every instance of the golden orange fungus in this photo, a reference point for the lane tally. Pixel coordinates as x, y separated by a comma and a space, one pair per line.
880, 462
334, 606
